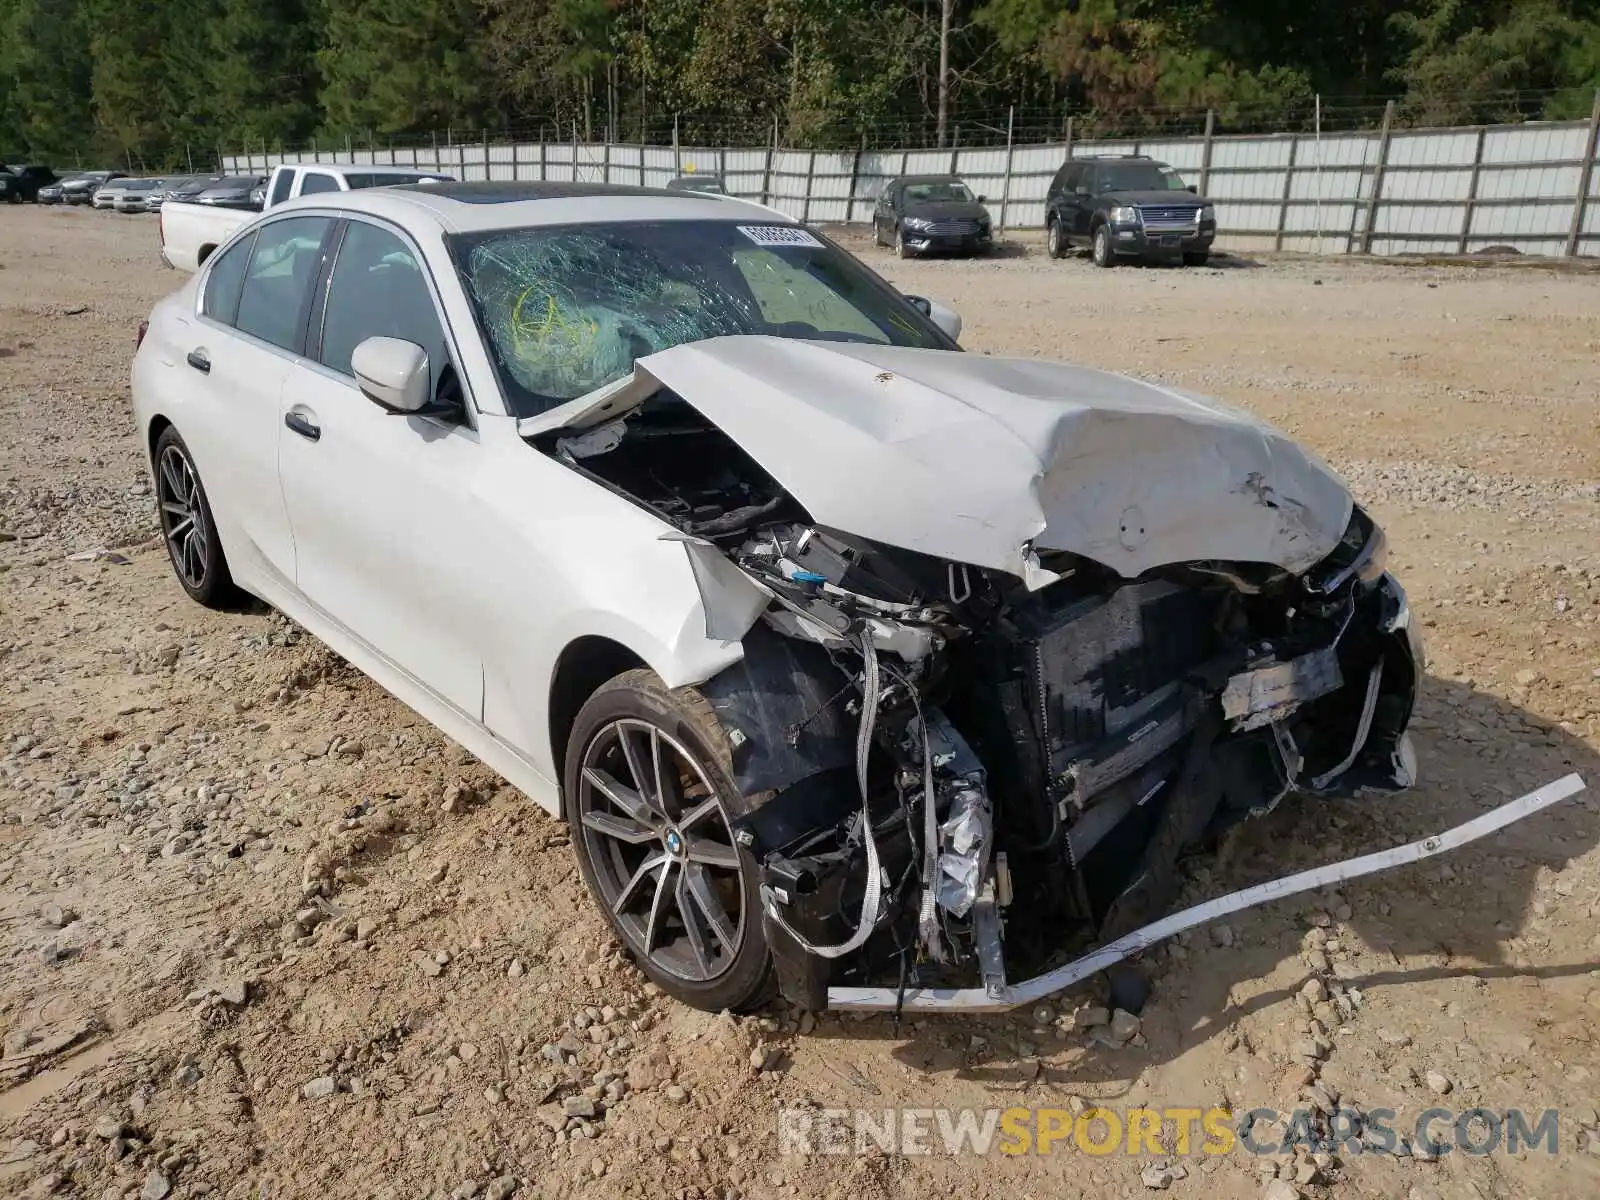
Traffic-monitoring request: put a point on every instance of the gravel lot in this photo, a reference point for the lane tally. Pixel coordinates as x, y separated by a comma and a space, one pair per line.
271, 936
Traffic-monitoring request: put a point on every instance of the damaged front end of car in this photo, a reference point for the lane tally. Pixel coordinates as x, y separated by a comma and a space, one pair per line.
972, 768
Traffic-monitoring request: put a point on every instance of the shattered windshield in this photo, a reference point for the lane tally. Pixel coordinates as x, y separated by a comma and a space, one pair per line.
567, 309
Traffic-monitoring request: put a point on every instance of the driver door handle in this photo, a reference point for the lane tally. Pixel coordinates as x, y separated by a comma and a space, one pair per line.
303, 425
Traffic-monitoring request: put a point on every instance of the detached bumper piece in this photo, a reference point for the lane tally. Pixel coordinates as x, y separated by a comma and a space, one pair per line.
997, 995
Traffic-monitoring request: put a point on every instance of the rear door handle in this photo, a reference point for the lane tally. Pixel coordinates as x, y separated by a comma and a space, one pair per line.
200, 361
303, 425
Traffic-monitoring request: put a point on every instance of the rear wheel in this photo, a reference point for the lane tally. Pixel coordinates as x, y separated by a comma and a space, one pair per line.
187, 526
649, 797
1056, 239
1104, 255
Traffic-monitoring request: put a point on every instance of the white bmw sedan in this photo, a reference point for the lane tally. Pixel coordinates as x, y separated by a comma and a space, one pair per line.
837, 648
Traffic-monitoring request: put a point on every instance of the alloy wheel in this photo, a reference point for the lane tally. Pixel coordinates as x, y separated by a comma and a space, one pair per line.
183, 519
663, 853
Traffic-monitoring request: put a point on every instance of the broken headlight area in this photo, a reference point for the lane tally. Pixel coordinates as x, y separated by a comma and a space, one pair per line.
957, 780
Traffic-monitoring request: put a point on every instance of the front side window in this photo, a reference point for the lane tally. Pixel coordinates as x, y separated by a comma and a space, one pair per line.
221, 300
283, 264
378, 290
315, 182
567, 309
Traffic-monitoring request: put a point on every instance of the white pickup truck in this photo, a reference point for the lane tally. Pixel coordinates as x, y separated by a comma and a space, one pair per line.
190, 232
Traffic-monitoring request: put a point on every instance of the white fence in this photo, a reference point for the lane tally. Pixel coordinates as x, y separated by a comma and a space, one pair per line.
1393, 191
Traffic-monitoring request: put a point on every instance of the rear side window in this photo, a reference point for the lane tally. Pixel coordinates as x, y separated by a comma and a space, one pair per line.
318, 182
221, 301
281, 186
388, 179
283, 264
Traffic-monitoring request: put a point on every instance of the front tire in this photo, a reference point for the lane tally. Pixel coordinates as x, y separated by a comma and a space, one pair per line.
187, 527
1056, 239
649, 796
902, 248
1104, 255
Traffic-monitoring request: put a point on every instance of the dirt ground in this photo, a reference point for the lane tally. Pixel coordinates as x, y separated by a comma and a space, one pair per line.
269, 935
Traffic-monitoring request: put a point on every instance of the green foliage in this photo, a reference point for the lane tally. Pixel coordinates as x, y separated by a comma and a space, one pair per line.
399, 66
1468, 59
156, 82
44, 77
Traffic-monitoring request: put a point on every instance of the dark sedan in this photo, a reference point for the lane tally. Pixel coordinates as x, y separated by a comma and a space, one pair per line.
80, 188
918, 214
183, 188
710, 184
233, 191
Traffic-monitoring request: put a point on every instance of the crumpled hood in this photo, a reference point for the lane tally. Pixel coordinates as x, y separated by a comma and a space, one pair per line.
975, 459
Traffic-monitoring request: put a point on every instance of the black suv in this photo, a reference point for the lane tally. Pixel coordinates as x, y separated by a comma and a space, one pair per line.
1129, 206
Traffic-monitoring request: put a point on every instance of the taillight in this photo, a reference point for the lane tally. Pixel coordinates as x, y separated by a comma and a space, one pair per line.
144, 328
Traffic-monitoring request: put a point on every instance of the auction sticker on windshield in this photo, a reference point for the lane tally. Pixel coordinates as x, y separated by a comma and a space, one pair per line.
779, 235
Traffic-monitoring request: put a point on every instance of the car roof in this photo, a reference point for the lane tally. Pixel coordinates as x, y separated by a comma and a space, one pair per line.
366, 169
473, 207
930, 179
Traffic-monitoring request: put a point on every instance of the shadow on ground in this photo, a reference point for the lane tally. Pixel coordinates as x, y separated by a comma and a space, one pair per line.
1450, 916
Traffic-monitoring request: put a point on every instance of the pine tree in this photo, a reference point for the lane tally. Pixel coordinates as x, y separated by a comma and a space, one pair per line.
400, 66
45, 75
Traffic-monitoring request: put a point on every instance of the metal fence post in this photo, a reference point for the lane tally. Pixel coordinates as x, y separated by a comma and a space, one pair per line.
1472, 192
1288, 185
1069, 137
1005, 185
677, 154
1376, 194
1580, 203
1205, 152
766, 174
811, 173
855, 177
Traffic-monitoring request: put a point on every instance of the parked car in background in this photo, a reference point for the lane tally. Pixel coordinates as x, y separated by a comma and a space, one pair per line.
21, 182
133, 195
80, 188
181, 188
918, 214
1127, 206
693, 182
191, 231
231, 191
107, 194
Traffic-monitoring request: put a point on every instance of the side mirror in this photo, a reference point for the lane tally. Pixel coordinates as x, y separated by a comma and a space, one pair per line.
392, 374
1192, 188
948, 320
983, 199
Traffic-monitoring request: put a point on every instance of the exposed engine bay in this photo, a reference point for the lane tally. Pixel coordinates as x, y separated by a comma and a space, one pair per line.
959, 775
